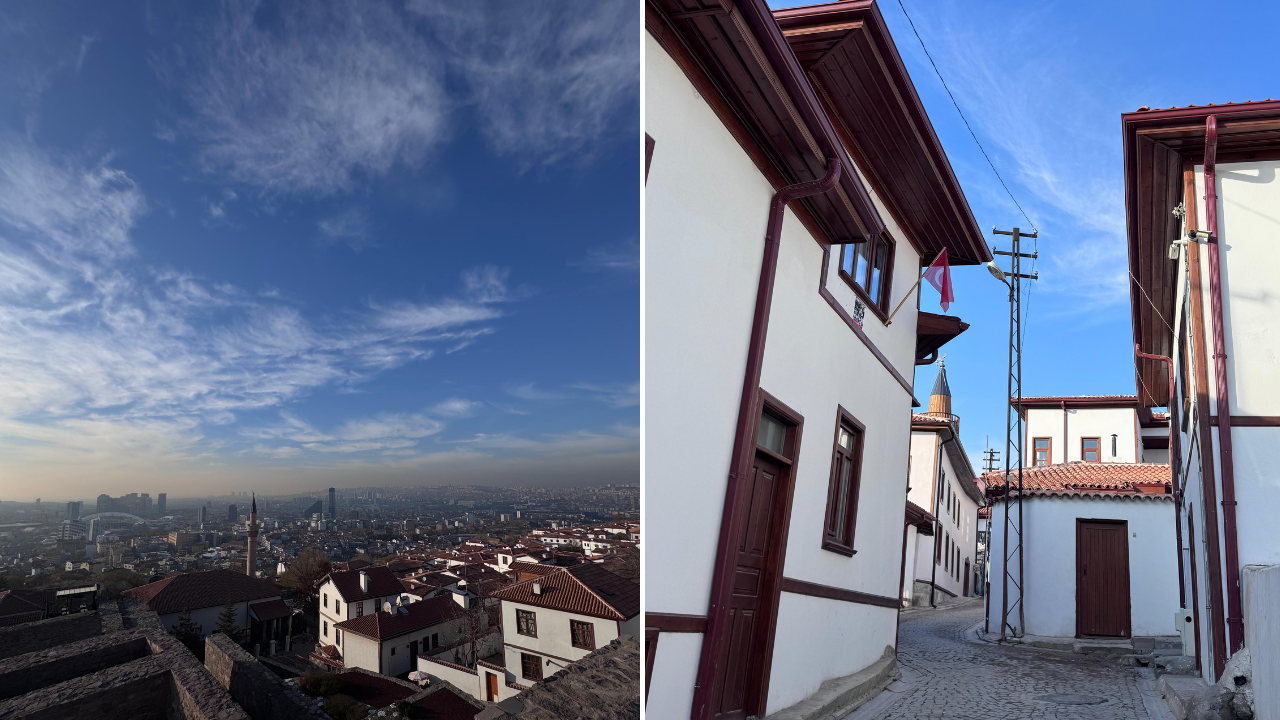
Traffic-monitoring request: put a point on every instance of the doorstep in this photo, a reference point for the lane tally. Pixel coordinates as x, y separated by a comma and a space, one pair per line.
840, 696
1191, 698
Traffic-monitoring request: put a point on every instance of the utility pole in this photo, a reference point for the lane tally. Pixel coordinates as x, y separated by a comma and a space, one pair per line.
1013, 431
990, 460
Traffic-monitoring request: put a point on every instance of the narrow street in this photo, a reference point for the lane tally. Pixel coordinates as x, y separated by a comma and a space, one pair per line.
948, 673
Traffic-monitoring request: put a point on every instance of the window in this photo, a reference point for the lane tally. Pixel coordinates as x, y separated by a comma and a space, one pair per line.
337, 637
325, 602
530, 667
866, 266
1091, 449
393, 649
359, 609
326, 628
1113, 444
527, 623
947, 564
842, 493
1041, 452
337, 606
583, 634
435, 641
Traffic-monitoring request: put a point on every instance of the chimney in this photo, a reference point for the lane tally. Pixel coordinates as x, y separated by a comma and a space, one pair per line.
364, 581
537, 588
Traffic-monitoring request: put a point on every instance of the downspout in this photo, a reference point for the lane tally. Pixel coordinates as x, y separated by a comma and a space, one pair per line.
1174, 463
1235, 620
722, 575
937, 533
1066, 441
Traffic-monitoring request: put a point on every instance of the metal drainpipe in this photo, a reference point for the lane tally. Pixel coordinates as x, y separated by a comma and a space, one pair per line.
722, 575
1235, 620
1174, 462
1066, 442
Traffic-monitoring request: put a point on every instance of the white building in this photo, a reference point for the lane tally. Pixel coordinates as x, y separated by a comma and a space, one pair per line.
786, 219
259, 609
1209, 174
1092, 428
548, 622
389, 641
1099, 553
941, 483
347, 594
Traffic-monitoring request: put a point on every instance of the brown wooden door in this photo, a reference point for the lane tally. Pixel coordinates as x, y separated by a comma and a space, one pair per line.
491, 686
736, 693
1102, 578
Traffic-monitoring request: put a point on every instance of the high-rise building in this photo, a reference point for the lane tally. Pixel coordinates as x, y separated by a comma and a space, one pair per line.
95, 529
105, 502
233, 514
204, 514
333, 503
73, 510
162, 503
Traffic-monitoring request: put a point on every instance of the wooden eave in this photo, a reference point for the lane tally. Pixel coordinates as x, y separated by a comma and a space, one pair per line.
846, 50
933, 331
1157, 145
740, 50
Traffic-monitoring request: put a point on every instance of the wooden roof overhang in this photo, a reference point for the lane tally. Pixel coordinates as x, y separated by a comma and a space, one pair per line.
1075, 401
932, 332
1157, 145
740, 51
846, 50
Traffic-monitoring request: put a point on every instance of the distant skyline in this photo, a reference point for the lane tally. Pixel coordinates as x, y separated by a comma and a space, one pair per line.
283, 246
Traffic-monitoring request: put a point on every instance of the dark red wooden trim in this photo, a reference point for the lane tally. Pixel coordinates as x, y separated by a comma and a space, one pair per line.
650, 652
848, 320
675, 622
804, 587
836, 545
1249, 420
648, 155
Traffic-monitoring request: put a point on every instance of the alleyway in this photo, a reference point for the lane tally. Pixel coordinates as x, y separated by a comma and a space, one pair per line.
948, 674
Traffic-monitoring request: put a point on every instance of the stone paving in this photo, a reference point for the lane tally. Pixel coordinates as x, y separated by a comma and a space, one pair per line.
948, 673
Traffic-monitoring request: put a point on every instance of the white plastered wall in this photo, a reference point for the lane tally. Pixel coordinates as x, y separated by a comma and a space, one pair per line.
1081, 423
960, 526
553, 637
1050, 562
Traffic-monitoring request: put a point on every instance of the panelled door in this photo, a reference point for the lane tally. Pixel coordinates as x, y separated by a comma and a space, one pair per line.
1102, 578
736, 690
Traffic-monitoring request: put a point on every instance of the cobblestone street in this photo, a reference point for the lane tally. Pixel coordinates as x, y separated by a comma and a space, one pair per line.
947, 673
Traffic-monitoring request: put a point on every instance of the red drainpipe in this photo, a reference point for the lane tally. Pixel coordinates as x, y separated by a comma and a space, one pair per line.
1174, 466
1235, 619
722, 577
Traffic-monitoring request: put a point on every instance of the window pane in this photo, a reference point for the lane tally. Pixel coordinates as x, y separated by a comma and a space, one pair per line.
842, 506
877, 270
846, 440
772, 434
864, 259
847, 254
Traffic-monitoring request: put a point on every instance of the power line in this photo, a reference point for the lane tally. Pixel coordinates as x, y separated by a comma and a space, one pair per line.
965, 119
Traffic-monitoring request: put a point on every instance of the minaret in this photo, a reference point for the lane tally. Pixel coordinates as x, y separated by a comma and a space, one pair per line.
940, 397
253, 536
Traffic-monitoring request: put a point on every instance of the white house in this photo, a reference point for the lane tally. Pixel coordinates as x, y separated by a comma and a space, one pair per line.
260, 610
1201, 191
389, 641
1092, 428
1099, 553
787, 216
548, 622
942, 484
347, 594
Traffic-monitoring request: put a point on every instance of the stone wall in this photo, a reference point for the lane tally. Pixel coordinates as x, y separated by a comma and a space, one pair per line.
19, 676
257, 690
30, 637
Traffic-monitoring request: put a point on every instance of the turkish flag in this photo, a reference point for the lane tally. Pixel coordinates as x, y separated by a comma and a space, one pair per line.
939, 276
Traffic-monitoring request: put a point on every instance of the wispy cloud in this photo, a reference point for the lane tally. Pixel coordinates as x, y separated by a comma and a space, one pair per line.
548, 80
618, 257
350, 227
98, 353
339, 89
617, 395
457, 407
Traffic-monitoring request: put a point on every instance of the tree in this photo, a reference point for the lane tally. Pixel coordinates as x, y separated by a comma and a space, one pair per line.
472, 624
305, 572
227, 623
190, 634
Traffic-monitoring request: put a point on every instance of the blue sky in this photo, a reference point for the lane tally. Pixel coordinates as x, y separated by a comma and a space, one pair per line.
281, 246
1043, 85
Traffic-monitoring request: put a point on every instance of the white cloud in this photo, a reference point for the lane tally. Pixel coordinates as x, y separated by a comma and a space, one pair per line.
617, 395
621, 257
99, 355
547, 79
456, 407
350, 227
339, 89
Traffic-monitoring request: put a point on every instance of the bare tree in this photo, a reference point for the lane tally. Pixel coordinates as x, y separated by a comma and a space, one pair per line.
303, 576
475, 622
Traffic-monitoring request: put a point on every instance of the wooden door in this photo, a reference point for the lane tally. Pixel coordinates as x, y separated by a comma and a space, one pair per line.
737, 689
966, 579
1102, 578
491, 687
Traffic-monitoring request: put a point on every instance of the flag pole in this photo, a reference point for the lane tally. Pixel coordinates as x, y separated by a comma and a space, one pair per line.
913, 288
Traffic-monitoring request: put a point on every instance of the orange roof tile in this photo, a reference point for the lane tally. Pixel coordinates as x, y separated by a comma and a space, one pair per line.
1078, 478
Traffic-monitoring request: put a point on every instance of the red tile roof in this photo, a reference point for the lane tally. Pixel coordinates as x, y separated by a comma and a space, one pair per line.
444, 704
1083, 478
583, 589
382, 582
383, 625
19, 606
192, 591
270, 610
529, 568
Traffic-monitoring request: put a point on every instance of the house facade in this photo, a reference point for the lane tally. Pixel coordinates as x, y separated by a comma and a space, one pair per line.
1201, 189
787, 216
205, 594
348, 594
941, 483
1099, 553
389, 641
1092, 428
